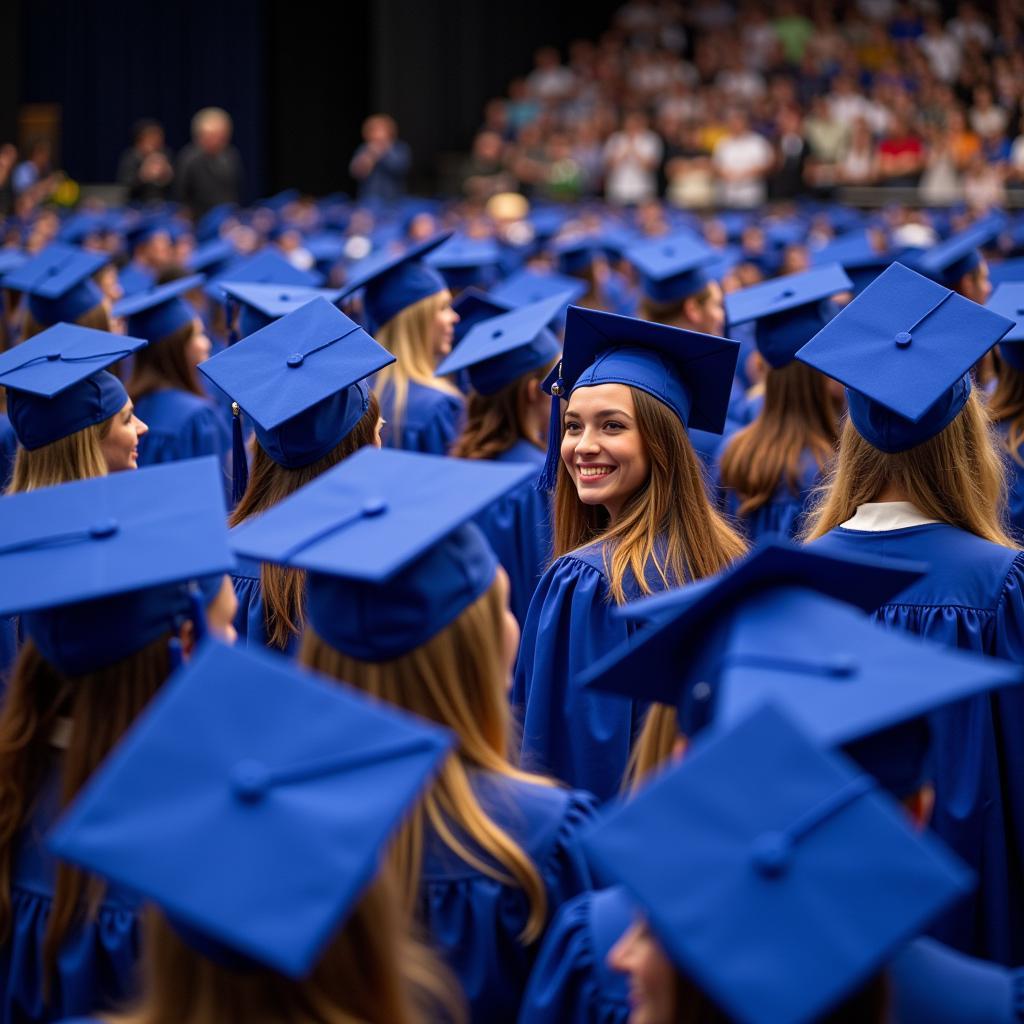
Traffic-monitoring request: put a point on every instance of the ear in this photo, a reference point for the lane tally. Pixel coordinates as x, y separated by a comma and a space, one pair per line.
187, 637
679, 750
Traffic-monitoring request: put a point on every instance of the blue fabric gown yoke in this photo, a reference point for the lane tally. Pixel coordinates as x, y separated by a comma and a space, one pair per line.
97, 961
972, 599
580, 737
430, 421
474, 920
518, 527
181, 426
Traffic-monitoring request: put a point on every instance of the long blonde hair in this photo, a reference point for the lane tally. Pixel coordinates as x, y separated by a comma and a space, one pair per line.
458, 680
956, 477
1006, 405
670, 507
655, 745
270, 483
79, 456
407, 336
372, 972
799, 416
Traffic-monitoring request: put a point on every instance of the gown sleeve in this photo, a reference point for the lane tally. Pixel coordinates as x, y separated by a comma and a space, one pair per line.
580, 737
933, 984
437, 431
571, 982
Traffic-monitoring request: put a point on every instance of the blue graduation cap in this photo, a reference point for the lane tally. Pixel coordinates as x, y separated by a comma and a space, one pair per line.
160, 310
95, 567
11, 259
147, 228
774, 875
83, 225
464, 262
959, 254
252, 802
211, 258
1008, 300
57, 382
546, 221
788, 624
135, 279
672, 267
264, 267
787, 311
473, 307
500, 350
575, 254
302, 381
1006, 271
262, 304
903, 348
58, 282
528, 286
857, 255
208, 226
388, 544
392, 282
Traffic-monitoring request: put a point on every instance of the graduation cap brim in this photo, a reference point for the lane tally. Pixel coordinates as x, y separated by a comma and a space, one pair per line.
156, 295
112, 535
377, 264
176, 814
277, 300
904, 315
528, 286
54, 271
1008, 300
343, 531
263, 267
60, 357
705, 363
782, 294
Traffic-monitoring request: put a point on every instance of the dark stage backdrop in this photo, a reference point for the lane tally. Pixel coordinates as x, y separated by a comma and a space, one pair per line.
297, 79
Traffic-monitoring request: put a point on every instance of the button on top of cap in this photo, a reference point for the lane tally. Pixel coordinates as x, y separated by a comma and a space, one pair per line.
295, 359
772, 853
53, 356
374, 507
103, 529
903, 339
497, 333
250, 781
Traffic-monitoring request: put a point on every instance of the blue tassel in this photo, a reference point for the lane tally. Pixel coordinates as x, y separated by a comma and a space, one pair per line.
549, 474
239, 462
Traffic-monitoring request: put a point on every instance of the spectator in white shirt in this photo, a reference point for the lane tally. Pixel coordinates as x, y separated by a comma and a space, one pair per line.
631, 158
941, 50
741, 161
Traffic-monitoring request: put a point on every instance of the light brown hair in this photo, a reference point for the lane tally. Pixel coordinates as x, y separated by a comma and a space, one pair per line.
799, 416
96, 318
270, 483
456, 679
407, 336
372, 972
101, 705
79, 456
164, 363
671, 506
956, 477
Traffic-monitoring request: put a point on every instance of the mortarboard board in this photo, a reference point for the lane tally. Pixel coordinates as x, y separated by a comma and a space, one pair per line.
94, 567
388, 544
83, 225
464, 262
392, 282
211, 257
208, 226
58, 282
573, 255
959, 254
263, 267
474, 306
528, 286
788, 624
1006, 271
160, 310
672, 267
775, 876
146, 228
253, 803
262, 304
903, 348
57, 382
1008, 300
135, 279
11, 259
301, 380
857, 256
689, 372
500, 350
788, 310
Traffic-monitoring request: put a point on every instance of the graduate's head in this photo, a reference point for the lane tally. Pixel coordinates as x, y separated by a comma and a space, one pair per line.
177, 338
773, 818
60, 288
623, 463
916, 428
329, 933
957, 263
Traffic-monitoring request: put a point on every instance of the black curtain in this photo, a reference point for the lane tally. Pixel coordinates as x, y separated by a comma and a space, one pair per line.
110, 62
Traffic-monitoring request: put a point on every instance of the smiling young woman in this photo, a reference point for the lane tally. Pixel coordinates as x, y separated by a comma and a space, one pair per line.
631, 518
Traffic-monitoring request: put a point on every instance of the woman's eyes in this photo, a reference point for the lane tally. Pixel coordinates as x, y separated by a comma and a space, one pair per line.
573, 427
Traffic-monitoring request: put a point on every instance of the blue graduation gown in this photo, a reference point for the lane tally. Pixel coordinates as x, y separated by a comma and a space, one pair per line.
972, 599
571, 982
8, 450
431, 420
181, 426
581, 737
250, 619
96, 963
518, 527
932, 984
474, 920
783, 513
1014, 486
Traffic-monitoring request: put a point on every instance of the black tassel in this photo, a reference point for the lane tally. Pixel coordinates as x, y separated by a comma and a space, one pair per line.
239, 462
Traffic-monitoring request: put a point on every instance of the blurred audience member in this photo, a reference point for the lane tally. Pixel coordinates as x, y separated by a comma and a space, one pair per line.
209, 168
144, 170
381, 163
